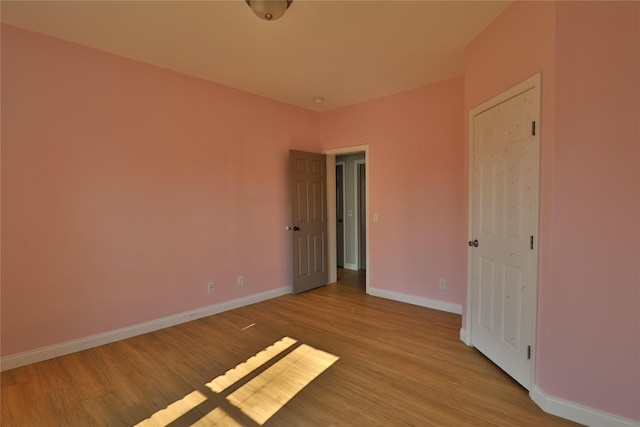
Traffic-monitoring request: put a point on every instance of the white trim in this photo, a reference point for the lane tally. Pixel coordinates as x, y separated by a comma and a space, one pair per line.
331, 205
411, 299
68, 347
464, 337
356, 211
530, 83
578, 413
344, 225
349, 266
332, 252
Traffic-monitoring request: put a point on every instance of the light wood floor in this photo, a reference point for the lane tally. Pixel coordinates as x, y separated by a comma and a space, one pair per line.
399, 365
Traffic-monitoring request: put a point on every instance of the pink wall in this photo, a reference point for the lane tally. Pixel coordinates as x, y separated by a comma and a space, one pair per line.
588, 346
126, 188
416, 185
591, 309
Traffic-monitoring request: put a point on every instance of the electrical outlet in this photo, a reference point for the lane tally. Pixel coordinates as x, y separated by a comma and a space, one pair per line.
240, 281
443, 284
210, 287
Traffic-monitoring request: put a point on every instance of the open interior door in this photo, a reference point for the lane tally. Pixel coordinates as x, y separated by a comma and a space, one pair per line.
309, 215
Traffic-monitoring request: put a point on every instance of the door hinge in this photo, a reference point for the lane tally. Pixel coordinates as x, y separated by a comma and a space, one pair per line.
531, 242
528, 352
533, 128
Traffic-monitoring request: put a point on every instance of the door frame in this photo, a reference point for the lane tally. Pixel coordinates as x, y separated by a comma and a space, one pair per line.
356, 192
331, 205
533, 82
344, 229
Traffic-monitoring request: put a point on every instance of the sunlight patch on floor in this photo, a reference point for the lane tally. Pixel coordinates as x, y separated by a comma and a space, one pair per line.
174, 411
234, 375
264, 395
260, 397
219, 418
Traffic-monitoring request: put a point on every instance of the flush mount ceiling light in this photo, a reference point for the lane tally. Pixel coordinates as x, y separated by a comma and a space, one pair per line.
269, 10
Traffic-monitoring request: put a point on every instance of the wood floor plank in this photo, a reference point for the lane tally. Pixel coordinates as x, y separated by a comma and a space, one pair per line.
398, 365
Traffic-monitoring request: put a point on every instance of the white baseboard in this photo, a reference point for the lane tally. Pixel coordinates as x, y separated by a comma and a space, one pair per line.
464, 337
411, 299
348, 266
570, 410
68, 347
578, 413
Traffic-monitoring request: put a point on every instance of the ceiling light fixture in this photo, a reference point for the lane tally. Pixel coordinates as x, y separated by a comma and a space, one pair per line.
319, 99
269, 10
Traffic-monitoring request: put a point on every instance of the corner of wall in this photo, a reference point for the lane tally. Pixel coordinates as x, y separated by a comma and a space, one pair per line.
578, 413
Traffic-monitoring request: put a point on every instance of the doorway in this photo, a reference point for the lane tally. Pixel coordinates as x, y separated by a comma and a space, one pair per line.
350, 212
331, 207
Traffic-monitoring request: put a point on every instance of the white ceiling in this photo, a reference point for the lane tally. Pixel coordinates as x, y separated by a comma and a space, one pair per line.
344, 51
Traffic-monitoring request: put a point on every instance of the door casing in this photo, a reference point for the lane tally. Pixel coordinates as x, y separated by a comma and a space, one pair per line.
341, 238
359, 165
